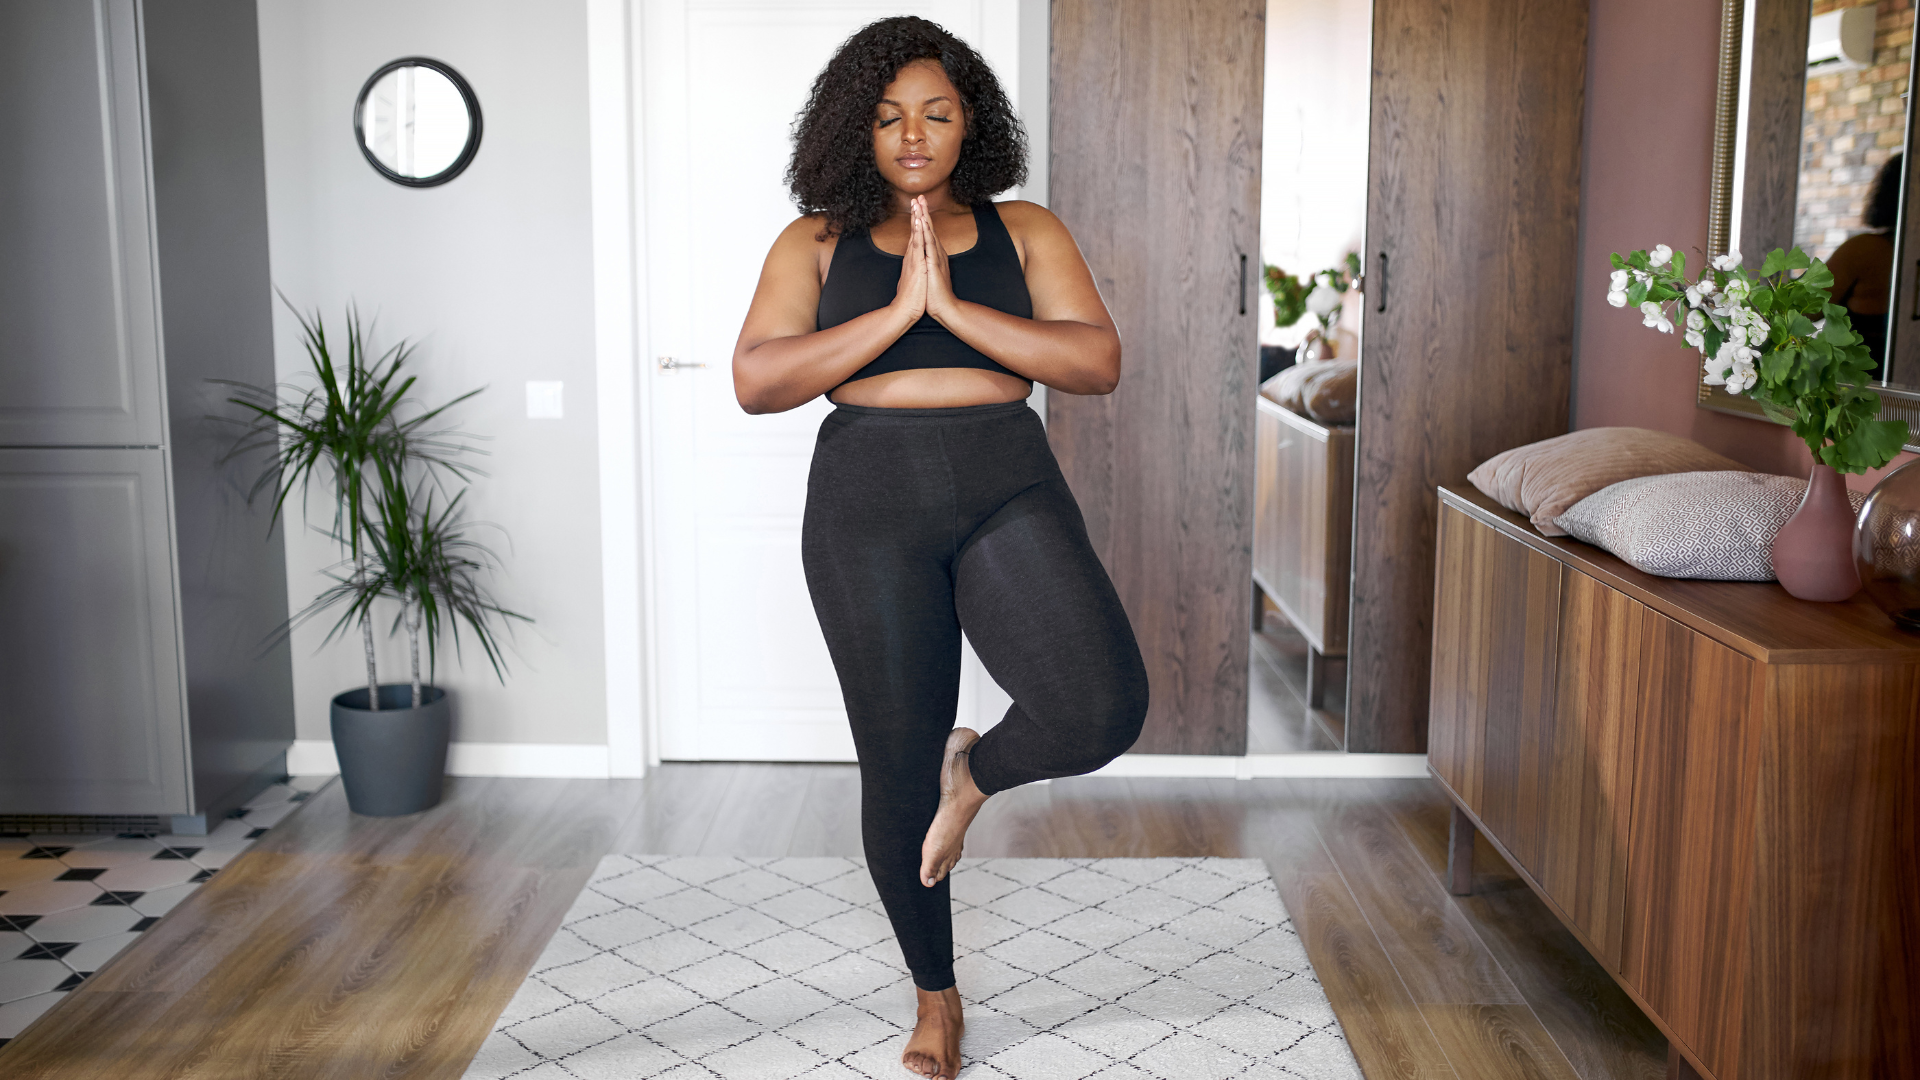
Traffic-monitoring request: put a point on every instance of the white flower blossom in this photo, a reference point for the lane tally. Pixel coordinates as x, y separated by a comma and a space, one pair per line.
1696, 339
1729, 261
1322, 300
1696, 320
1618, 281
1737, 334
1694, 296
1736, 290
1618, 298
1660, 255
1652, 316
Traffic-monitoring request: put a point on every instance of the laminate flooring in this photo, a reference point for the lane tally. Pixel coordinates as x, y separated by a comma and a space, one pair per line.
340, 946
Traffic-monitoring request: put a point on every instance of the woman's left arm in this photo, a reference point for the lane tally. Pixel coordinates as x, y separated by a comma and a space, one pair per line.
1070, 344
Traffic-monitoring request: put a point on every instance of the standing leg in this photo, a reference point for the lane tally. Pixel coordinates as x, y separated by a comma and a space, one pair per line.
1460, 834
1047, 624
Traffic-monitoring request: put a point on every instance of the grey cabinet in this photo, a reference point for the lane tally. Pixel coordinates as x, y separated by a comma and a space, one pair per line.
138, 590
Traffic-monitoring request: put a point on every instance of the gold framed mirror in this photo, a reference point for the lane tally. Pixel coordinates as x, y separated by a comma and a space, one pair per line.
1812, 118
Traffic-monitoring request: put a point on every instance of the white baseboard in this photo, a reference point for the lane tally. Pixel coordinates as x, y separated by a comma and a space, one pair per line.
1328, 766
314, 757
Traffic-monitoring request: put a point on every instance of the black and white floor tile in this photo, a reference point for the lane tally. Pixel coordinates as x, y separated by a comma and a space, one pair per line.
1074, 969
68, 904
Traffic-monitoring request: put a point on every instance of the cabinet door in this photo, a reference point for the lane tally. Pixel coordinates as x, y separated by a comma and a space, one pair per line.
1690, 862
91, 718
1163, 194
1496, 626
79, 342
1587, 750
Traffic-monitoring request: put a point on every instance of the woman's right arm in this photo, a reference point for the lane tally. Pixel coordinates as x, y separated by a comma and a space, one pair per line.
781, 360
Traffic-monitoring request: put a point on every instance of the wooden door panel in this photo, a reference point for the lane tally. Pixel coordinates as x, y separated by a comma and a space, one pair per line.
1156, 170
1690, 851
1589, 762
1473, 193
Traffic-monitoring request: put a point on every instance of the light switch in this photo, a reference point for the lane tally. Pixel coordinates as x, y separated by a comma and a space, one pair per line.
544, 401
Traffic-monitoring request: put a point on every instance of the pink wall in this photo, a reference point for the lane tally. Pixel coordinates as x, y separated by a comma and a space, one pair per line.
1647, 163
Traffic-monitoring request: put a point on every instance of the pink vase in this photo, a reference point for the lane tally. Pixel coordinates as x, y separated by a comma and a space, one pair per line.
1813, 555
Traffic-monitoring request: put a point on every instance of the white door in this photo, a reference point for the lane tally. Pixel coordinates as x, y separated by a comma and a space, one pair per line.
743, 671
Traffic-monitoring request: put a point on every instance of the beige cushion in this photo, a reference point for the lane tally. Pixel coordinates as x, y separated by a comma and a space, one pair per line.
1542, 480
1329, 396
1323, 390
1718, 526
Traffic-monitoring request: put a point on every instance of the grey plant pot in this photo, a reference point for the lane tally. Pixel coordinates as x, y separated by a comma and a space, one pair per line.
393, 761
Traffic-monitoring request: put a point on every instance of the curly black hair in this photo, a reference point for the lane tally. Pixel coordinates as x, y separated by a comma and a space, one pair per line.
1883, 197
833, 172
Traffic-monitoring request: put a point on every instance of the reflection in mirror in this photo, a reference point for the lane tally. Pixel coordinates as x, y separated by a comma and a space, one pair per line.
1852, 127
418, 122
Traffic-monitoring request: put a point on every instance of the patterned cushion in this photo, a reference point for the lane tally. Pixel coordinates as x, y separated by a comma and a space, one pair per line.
1543, 479
1718, 526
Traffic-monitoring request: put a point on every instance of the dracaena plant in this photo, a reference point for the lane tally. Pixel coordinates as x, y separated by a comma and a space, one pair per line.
1774, 335
353, 424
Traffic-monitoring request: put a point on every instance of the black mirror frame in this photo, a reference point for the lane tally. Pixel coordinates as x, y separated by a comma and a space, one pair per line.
466, 95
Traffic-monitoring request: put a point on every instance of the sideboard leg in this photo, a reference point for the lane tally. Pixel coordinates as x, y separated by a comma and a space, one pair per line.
1678, 1067
1460, 833
1316, 679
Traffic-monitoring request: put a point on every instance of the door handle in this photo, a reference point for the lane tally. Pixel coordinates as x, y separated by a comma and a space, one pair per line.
1383, 283
668, 363
1243, 284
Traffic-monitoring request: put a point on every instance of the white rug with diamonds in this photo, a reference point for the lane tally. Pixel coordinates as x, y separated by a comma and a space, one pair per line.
765, 969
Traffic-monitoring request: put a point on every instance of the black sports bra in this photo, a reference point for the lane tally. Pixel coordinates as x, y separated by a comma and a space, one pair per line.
863, 278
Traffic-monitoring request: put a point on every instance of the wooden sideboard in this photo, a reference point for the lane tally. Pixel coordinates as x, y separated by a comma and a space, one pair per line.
1303, 530
1714, 785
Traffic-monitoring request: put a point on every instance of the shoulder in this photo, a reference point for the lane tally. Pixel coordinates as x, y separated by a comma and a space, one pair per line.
1022, 216
800, 245
1861, 244
804, 234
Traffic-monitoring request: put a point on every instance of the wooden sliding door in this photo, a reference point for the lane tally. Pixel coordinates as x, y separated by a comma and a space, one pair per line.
1156, 169
1466, 346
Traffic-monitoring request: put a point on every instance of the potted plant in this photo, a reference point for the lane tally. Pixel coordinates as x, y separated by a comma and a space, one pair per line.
1776, 336
386, 461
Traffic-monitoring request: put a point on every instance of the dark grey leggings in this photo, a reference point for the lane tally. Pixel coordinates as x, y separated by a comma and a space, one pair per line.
921, 522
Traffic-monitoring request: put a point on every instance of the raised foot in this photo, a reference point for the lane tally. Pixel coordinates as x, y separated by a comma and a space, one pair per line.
933, 1050
960, 800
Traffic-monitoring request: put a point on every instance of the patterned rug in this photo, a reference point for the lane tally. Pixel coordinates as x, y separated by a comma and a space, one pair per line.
765, 969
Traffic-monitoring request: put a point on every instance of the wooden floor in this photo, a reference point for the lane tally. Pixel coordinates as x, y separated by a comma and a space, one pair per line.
357, 947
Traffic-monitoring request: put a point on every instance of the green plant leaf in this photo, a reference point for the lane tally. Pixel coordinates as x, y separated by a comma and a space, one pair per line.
1775, 262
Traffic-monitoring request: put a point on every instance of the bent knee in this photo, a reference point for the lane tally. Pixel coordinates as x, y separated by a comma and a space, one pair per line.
1114, 720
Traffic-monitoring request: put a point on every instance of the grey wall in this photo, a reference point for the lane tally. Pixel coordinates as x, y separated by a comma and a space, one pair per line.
492, 276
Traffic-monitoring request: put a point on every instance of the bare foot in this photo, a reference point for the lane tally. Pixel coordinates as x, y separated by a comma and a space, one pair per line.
933, 1050
960, 800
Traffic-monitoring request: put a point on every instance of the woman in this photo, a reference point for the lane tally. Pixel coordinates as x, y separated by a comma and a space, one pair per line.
926, 312
1863, 266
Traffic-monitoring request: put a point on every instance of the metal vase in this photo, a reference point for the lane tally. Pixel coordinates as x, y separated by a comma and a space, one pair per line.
393, 761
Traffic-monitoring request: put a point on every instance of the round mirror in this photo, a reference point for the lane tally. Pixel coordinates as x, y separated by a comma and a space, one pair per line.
418, 122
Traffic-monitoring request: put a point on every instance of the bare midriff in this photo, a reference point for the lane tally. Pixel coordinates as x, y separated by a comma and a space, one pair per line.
932, 388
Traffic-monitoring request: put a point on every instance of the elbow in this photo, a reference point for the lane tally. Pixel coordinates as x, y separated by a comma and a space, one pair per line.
1106, 375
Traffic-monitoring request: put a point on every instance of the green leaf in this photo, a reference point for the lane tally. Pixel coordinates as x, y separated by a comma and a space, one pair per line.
1797, 260
1618, 262
1776, 261
1870, 445
1680, 264
1636, 293
1817, 277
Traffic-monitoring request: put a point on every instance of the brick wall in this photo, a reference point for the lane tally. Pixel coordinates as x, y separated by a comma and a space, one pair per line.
1855, 120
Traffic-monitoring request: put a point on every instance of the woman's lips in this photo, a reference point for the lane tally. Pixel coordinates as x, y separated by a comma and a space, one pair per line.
914, 161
